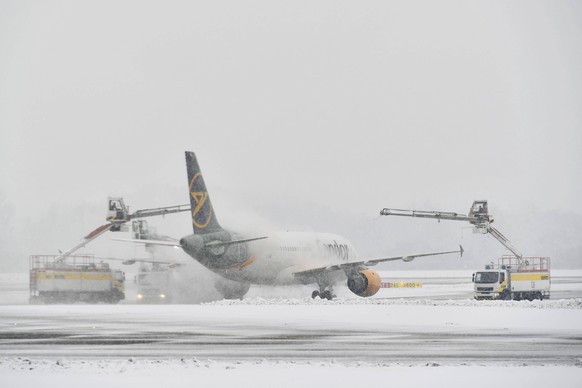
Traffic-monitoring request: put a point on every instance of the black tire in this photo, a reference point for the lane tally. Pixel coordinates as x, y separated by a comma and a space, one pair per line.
315, 294
327, 295
505, 295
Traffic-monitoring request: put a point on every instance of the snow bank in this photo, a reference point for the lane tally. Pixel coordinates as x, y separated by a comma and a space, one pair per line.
127, 373
537, 304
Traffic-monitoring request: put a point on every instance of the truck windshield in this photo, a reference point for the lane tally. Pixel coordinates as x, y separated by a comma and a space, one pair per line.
486, 277
157, 279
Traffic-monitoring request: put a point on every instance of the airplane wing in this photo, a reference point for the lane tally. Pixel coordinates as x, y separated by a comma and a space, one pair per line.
411, 257
348, 267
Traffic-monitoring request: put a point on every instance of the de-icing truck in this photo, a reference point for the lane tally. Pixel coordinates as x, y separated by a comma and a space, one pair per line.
514, 278
56, 279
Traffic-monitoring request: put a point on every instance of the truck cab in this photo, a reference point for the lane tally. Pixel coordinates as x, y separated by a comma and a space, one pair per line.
118, 284
490, 283
154, 285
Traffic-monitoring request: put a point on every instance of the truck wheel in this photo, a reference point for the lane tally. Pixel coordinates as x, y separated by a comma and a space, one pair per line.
505, 295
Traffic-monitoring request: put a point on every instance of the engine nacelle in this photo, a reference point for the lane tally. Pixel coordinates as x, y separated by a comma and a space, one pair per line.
364, 283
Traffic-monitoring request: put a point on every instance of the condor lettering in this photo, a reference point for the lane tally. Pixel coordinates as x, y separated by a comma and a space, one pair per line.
339, 250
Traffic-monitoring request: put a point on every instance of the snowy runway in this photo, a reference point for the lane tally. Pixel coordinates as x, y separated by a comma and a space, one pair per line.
452, 332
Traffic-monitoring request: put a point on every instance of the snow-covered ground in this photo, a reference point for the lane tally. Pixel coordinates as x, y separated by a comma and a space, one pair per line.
434, 335
264, 373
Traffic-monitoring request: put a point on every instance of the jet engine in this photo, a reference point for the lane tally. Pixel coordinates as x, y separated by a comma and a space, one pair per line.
364, 282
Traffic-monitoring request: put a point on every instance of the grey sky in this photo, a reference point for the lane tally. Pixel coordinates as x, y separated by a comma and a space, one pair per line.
291, 107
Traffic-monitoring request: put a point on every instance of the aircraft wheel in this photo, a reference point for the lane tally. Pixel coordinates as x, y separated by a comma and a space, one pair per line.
326, 295
315, 294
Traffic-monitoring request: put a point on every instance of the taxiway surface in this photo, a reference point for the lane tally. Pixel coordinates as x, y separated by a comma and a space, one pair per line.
300, 330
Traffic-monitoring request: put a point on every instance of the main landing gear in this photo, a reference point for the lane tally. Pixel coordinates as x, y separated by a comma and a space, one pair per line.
324, 294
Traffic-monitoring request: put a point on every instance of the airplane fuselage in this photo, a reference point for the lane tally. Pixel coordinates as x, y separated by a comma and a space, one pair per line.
275, 259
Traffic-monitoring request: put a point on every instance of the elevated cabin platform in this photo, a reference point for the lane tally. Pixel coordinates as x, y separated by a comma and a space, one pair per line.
524, 264
69, 263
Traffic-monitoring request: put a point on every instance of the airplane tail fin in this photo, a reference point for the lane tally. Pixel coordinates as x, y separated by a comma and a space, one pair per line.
203, 217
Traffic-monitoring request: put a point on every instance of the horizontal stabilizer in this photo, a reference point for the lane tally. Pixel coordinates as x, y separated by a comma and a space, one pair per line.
152, 242
177, 243
227, 243
171, 264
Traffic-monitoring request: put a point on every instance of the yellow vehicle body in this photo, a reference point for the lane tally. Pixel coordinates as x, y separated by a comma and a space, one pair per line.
76, 279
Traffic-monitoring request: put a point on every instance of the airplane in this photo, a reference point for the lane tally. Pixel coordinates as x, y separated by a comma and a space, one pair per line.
277, 258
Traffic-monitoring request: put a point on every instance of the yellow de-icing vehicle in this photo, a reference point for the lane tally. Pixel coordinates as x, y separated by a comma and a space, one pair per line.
514, 279
54, 279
